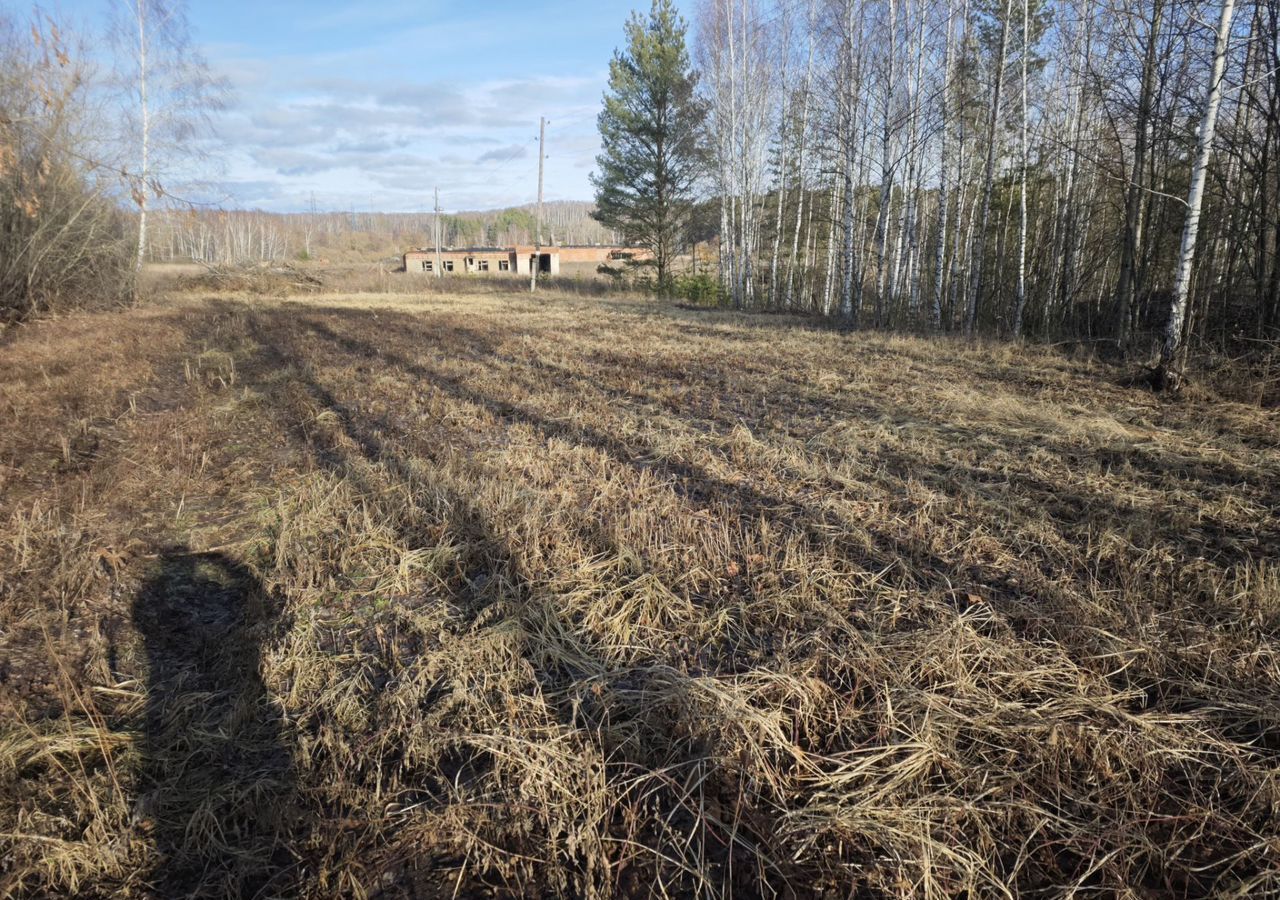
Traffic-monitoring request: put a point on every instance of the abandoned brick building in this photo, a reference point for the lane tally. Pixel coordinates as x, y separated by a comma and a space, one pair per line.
513, 260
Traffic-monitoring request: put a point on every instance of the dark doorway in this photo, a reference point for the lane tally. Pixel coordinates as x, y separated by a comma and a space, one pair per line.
216, 787
544, 262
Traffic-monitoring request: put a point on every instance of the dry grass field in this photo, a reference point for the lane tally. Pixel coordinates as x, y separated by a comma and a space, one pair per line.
393, 596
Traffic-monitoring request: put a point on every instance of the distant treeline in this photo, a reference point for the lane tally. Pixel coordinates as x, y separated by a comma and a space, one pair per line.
222, 236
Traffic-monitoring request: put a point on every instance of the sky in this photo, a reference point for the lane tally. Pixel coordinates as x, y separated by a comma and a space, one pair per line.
372, 105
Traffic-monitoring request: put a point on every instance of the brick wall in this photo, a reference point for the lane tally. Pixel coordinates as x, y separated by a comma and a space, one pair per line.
597, 254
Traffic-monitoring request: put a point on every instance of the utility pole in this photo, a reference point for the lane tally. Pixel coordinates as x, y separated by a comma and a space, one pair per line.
537, 240
436, 228
309, 227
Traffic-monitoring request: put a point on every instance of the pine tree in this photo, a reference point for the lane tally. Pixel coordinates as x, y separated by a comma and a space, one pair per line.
650, 131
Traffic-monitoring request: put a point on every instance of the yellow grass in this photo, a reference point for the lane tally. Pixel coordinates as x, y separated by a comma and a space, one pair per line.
393, 595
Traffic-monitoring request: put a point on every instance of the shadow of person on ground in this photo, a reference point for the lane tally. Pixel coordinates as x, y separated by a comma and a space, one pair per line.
217, 792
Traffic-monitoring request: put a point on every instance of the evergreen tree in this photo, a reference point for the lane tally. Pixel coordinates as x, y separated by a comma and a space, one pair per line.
650, 129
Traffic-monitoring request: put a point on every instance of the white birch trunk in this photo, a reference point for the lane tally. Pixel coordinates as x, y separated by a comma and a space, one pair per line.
144, 173
886, 176
1021, 303
944, 198
1173, 345
807, 92
979, 248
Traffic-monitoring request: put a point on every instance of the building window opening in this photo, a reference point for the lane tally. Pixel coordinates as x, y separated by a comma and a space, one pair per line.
426, 265
504, 265
482, 265
448, 265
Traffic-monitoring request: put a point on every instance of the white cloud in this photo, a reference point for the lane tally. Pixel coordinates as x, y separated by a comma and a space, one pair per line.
386, 143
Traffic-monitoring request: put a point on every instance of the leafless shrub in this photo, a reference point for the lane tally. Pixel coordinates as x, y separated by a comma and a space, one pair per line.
61, 235
264, 279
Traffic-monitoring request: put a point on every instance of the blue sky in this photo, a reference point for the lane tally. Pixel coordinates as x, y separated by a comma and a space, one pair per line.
373, 105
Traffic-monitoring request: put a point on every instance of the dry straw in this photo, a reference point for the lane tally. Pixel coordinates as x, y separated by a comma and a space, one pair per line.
451, 596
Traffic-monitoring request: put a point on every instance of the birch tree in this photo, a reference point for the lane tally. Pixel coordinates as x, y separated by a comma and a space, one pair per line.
1172, 345
988, 181
733, 52
944, 194
806, 96
168, 93
1022, 192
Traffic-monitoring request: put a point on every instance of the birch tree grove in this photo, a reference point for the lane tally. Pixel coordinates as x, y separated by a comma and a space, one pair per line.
1000, 167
